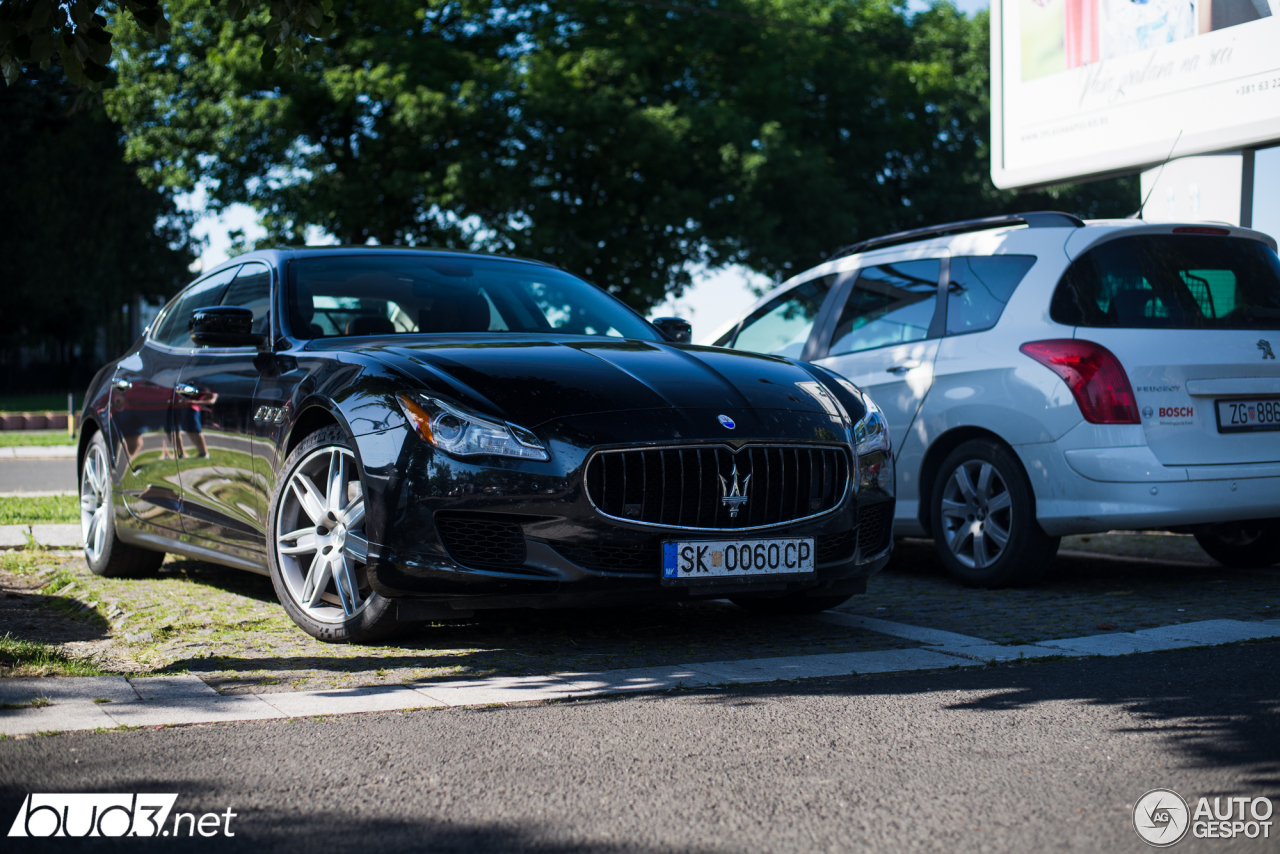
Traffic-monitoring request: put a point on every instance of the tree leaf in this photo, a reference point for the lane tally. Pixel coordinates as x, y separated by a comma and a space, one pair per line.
268, 59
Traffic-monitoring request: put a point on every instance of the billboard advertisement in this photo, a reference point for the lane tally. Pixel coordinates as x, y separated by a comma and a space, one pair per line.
1084, 88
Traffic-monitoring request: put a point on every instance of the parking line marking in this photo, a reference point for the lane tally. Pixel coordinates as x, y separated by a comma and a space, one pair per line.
901, 630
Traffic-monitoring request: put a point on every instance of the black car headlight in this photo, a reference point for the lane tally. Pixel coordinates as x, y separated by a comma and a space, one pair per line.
871, 444
463, 433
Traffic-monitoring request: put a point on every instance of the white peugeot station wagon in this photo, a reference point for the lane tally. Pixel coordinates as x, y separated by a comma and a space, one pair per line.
1044, 376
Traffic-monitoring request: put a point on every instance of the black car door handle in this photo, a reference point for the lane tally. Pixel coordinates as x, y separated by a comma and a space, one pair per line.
902, 367
186, 389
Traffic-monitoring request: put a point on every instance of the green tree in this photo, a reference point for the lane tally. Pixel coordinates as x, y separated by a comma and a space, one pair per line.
621, 139
80, 235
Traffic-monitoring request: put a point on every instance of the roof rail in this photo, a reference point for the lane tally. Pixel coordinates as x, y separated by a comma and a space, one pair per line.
1034, 219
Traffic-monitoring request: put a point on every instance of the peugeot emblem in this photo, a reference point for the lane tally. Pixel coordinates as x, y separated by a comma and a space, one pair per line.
1264, 345
727, 421
733, 496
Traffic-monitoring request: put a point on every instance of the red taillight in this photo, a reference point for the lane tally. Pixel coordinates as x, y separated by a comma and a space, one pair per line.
1201, 229
1093, 374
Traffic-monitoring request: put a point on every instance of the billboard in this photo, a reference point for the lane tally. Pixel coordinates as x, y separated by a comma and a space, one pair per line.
1085, 88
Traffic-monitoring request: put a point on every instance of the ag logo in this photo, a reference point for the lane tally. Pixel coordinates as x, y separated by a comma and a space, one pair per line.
1161, 817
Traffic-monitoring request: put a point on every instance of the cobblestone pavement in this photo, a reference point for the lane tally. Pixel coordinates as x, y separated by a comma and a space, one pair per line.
1170, 582
225, 625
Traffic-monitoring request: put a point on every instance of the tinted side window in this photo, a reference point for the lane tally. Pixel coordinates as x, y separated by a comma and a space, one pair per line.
174, 326
889, 304
1172, 281
252, 289
980, 288
781, 327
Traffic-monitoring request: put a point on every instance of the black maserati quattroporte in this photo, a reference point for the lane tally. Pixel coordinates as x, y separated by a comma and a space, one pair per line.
399, 435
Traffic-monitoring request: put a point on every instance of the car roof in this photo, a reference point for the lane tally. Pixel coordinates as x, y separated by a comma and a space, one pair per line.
279, 254
1010, 235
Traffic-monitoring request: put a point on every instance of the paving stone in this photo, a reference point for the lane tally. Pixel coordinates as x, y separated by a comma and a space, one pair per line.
1213, 632
634, 679
72, 689
348, 700
485, 692
837, 664
57, 535
1122, 643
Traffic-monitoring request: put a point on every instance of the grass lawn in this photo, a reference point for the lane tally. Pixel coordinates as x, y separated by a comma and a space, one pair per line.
38, 402
39, 510
28, 658
34, 438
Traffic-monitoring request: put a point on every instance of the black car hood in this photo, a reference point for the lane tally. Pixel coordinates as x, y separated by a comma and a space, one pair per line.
534, 380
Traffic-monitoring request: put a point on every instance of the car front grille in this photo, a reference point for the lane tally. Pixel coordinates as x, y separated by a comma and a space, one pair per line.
481, 543
874, 528
836, 547
695, 487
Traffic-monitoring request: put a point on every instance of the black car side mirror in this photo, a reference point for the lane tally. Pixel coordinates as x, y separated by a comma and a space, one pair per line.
677, 329
225, 326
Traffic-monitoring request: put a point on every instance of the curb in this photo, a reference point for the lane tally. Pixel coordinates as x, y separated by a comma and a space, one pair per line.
107, 702
38, 452
47, 536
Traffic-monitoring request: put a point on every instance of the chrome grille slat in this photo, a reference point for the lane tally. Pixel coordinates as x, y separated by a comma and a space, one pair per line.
686, 493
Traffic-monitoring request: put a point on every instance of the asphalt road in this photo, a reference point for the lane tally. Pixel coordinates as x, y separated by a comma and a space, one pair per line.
37, 475
1046, 757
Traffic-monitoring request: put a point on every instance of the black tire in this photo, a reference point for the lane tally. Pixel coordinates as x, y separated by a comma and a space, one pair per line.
971, 517
797, 604
1251, 544
327, 614
104, 551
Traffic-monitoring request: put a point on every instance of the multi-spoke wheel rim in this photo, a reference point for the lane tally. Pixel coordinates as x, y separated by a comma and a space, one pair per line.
977, 514
94, 503
320, 543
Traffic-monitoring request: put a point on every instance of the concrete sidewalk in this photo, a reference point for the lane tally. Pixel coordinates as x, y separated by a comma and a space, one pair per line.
81, 703
38, 452
49, 536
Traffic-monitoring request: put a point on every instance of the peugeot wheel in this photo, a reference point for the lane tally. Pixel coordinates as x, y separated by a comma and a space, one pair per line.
984, 521
104, 552
319, 545
1243, 545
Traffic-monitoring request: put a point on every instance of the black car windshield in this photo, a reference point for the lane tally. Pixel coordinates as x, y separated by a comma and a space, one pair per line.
405, 294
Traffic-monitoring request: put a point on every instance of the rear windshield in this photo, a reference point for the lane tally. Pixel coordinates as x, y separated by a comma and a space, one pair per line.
345, 295
1172, 281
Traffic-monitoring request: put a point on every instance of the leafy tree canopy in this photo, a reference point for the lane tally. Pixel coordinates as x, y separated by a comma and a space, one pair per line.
80, 235
75, 32
620, 139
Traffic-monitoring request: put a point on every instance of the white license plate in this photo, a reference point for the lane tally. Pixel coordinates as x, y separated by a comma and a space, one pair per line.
1239, 416
692, 560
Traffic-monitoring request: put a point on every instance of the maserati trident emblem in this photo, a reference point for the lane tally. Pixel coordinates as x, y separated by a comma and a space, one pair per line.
733, 496
1265, 346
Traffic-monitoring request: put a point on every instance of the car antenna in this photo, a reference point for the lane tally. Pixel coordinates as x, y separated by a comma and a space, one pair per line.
1142, 207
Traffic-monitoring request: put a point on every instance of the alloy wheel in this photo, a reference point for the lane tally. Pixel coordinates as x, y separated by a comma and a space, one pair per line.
321, 545
977, 514
94, 504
